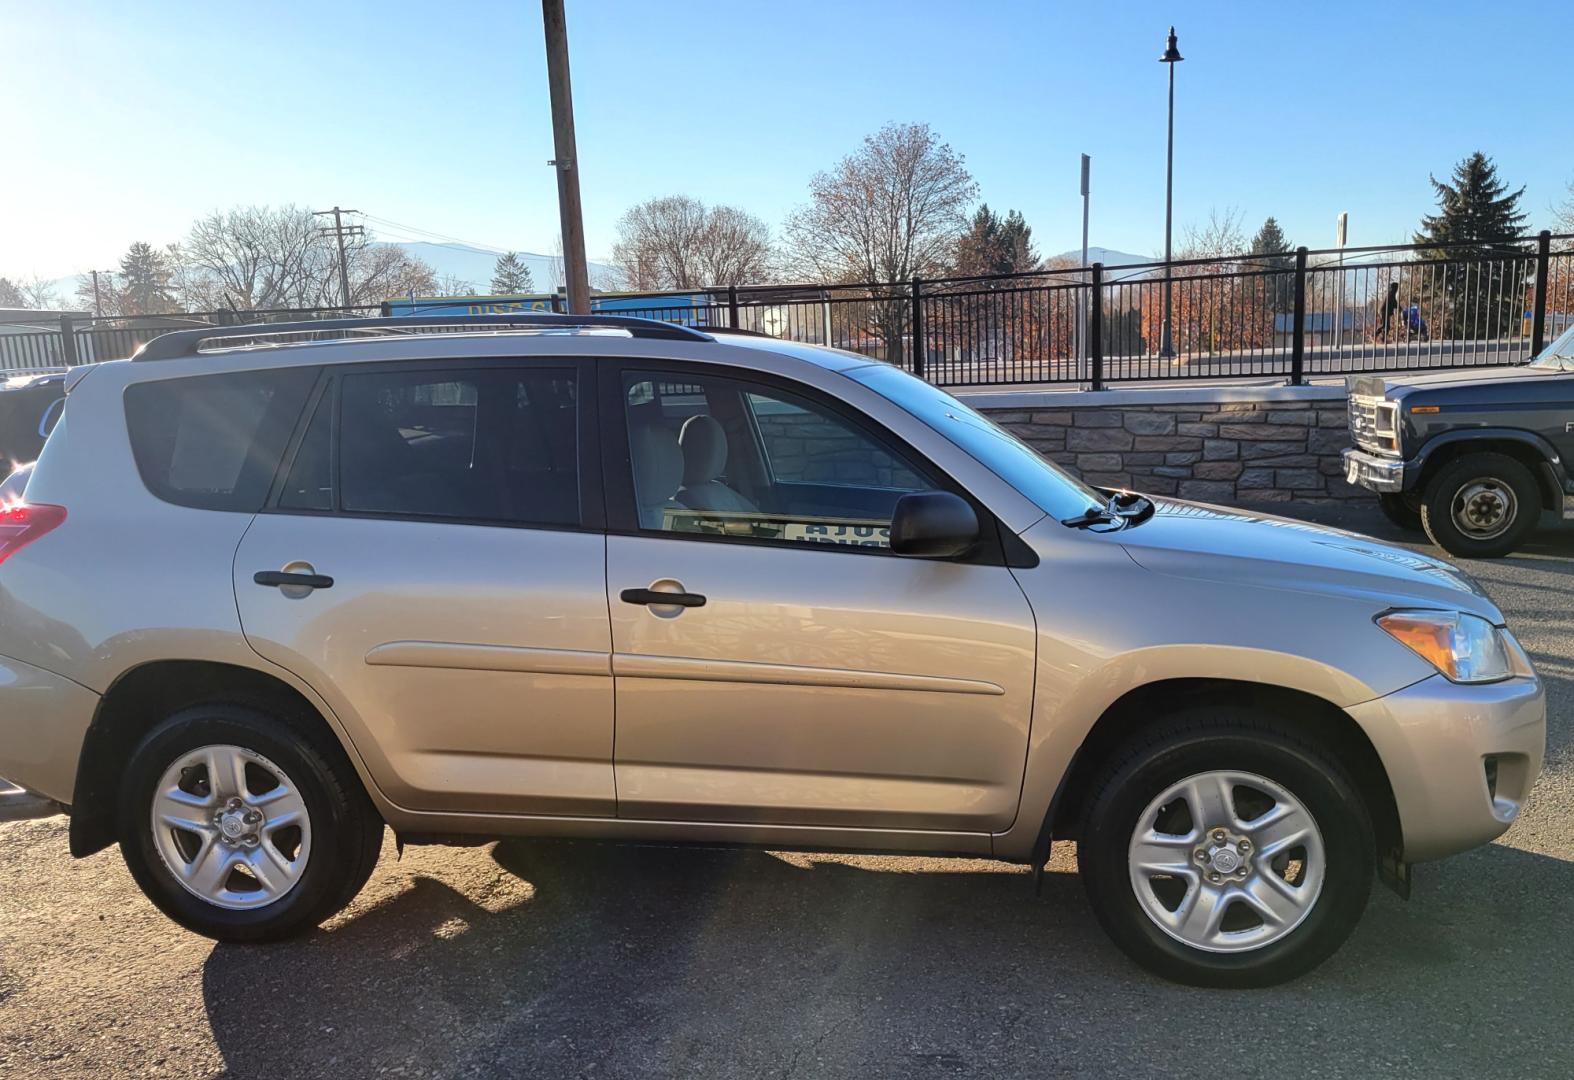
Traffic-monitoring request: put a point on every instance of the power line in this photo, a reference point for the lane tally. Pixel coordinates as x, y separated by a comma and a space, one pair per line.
434, 237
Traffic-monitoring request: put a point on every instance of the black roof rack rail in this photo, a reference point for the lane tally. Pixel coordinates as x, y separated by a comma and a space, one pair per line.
181, 343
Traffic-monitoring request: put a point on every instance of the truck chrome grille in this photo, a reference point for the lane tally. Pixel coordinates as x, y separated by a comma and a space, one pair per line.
1372, 423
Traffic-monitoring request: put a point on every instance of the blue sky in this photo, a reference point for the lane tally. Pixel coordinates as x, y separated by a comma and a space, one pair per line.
126, 121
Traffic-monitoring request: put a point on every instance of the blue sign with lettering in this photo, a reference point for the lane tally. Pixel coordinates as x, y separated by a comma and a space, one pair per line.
688, 309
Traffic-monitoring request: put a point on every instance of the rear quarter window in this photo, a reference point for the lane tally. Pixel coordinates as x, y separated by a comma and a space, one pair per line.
214, 441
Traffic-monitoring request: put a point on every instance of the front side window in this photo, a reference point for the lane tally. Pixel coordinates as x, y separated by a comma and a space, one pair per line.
731, 459
214, 441
491, 445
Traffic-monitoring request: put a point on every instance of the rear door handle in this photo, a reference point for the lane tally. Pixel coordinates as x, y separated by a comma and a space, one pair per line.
298, 581
653, 596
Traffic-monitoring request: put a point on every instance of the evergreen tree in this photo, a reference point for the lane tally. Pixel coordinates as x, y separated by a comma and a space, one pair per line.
511, 277
145, 276
1479, 291
1274, 247
995, 245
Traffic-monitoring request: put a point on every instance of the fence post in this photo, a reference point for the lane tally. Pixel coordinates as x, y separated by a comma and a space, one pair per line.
918, 328
1298, 331
1538, 310
732, 306
557, 303
68, 342
1096, 326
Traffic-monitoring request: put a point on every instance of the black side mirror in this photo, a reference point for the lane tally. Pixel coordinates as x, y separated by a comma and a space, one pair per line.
934, 524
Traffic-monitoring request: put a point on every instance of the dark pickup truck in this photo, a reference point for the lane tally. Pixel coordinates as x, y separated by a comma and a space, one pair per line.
1472, 456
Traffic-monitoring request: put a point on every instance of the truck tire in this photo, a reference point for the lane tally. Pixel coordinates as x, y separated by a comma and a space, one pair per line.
1481, 506
1401, 508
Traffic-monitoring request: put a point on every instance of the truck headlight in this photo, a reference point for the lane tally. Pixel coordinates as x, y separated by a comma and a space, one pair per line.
1385, 420
1465, 648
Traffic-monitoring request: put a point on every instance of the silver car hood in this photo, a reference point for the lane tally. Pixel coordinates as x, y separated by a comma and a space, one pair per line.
1215, 543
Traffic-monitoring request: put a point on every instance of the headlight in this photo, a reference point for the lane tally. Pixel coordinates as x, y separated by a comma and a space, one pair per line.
1385, 419
1465, 648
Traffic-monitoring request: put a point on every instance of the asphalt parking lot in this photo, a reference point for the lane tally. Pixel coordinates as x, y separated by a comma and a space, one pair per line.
559, 960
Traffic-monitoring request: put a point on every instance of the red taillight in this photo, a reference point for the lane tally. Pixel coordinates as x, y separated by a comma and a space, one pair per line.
22, 523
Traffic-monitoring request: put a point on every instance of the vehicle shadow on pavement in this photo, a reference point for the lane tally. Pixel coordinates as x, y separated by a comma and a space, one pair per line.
615, 960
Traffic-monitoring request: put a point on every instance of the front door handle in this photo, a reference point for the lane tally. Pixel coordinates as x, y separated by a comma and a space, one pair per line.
654, 596
295, 581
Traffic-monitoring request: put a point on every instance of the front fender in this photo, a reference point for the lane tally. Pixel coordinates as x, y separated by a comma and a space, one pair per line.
1061, 726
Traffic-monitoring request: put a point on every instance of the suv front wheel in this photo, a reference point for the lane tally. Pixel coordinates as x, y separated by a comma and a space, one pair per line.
1481, 506
1221, 849
245, 826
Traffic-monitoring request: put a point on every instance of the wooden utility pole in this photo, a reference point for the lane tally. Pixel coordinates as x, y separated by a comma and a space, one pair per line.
575, 272
339, 232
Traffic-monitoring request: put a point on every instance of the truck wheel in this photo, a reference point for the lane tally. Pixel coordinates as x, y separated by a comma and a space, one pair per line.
1401, 508
242, 826
1481, 506
1223, 850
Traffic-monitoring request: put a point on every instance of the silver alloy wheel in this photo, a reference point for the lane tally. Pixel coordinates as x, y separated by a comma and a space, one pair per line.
1485, 508
1220, 882
231, 827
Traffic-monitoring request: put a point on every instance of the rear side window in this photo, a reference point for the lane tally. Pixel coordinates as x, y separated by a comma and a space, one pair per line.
214, 441
488, 445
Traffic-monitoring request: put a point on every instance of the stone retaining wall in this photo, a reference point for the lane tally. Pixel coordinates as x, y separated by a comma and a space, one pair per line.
1214, 444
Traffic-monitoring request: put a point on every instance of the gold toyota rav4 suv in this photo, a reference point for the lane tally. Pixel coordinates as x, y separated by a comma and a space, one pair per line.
271, 589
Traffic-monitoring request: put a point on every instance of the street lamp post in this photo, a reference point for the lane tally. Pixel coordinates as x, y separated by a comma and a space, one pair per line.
1171, 57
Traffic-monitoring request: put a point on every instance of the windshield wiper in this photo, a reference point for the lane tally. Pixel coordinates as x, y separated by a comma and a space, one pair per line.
1093, 515
1125, 507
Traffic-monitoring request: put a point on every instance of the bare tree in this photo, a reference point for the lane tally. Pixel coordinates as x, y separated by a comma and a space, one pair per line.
32, 293
736, 248
380, 272
1212, 309
257, 257
677, 242
887, 213
100, 297
454, 285
1222, 237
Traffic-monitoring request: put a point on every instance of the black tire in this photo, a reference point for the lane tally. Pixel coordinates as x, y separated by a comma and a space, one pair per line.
346, 829
1402, 509
1496, 471
1226, 738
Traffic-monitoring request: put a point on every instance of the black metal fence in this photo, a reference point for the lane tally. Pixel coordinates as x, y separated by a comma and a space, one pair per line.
1296, 315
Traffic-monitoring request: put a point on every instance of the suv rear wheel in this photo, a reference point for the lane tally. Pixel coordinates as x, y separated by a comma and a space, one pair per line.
241, 827
1222, 850
1481, 506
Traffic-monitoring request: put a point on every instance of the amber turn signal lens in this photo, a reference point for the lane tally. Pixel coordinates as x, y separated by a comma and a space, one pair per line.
1465, 648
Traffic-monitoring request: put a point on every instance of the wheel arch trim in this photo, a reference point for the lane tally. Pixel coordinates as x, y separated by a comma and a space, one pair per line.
119, 722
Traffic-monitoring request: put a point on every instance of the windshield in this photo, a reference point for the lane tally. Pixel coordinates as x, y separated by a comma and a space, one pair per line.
1052, 490
1559, 356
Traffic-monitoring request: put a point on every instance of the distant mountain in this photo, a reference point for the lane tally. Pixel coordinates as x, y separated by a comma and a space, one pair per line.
474, 264
1107, 256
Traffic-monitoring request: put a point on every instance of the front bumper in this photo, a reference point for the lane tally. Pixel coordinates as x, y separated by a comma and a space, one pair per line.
1373, 472
1461, 759
43, 720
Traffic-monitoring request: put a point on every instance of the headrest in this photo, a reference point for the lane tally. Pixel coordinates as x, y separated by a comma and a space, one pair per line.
658, 463
704, 446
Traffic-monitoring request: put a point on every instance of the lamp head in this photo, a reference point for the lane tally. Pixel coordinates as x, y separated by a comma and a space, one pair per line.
1171, 50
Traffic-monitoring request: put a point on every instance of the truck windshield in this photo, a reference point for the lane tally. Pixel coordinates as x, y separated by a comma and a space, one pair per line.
1052, 490
1559, 356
